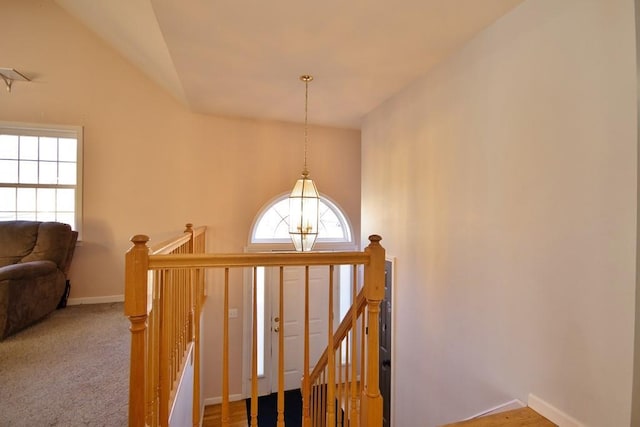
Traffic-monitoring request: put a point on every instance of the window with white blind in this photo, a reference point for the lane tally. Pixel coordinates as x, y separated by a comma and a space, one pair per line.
41, 173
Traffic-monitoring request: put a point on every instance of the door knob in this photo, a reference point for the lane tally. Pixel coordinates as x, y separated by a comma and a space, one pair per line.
276, 319
276, 329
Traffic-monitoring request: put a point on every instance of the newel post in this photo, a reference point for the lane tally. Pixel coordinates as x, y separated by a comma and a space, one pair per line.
371, 414
194, 327
188, 228
135, 307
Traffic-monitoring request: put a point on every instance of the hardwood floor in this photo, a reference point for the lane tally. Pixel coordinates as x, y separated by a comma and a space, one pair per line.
237, 415
517, 417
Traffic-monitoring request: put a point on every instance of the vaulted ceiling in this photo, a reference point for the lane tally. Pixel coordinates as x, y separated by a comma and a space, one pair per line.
244, 57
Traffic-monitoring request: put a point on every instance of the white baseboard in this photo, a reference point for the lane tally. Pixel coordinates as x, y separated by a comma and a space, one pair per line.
552, 413
217, 400
95, 300
512, 404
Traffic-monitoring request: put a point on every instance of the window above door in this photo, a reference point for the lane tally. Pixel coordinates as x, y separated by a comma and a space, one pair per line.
272, 224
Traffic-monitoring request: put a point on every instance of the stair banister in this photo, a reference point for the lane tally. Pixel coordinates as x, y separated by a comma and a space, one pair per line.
162, 334
137, 261
371, 413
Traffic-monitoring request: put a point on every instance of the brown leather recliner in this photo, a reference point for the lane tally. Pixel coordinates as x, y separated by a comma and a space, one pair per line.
34, 263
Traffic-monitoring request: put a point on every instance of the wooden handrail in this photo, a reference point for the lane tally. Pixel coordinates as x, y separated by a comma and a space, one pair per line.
342, 331
265, 259
169, 245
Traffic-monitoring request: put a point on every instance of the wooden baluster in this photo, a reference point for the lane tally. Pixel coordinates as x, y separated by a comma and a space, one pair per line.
320, 392
374, 293
178, 322
174, 301
347, 384
178, 325
135, 308
323, 399
363, 379
254, 353
339, 384
167, 334
154, 348
184, 304
281, 352
176, 307
153, 355
315, 403
195, 336
180, 346
354, 418
184, 318
331, 363
165, 320
197, 246
175, 344
194, 247
306, 399
319, 408
225, 352
305, 378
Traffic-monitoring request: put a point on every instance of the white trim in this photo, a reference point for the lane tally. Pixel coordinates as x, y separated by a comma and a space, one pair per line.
183, 398
217, 400
96, 300
41, 129
552, 413
507, 406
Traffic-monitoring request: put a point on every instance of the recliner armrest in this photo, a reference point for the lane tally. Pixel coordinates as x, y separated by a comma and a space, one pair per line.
52, 243
24, 270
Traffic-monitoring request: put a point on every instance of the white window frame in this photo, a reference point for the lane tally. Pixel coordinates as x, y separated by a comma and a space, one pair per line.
322, 243
55, 131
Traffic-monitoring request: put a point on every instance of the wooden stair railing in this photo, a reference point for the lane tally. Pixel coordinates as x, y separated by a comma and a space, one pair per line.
160, 334
164, 307
344, 386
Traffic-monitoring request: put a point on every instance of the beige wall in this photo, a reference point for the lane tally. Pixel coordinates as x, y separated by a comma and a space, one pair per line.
504, 182
150, 165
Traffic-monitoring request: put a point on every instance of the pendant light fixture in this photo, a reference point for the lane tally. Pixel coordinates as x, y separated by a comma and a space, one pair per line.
304, 201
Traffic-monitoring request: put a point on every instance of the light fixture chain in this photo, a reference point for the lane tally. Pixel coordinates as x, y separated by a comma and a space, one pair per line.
306, 102
306, 79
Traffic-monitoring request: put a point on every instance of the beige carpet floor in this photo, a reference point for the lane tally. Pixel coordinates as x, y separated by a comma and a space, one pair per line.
70, 369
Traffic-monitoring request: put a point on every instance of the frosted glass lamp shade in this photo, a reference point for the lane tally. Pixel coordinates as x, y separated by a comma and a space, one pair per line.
303, 214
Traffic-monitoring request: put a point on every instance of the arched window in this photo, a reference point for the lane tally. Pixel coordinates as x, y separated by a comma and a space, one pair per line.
272, 223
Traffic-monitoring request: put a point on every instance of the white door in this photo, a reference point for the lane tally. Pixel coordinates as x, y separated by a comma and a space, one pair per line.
292, 324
